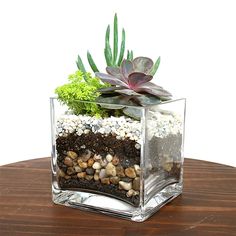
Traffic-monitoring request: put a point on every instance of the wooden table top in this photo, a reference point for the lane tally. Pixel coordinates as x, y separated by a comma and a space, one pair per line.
206, 207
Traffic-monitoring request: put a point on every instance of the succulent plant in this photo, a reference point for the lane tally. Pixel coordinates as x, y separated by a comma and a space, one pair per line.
133, 78
111, 57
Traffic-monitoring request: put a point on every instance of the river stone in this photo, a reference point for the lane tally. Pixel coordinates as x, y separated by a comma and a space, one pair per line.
90, 162
81, 175
68, 161
72, 155
137, 170
115, 161
90, 171
110, 169
114, 180
102, 174
125, 186
130, 172
86, 155
120, 171
97, 166
105, 181
136, 184
70, 170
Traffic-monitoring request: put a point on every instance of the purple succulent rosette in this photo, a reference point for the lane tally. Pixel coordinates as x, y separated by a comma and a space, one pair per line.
132, 79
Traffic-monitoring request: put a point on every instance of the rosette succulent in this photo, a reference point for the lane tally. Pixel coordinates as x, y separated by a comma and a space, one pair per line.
133, 78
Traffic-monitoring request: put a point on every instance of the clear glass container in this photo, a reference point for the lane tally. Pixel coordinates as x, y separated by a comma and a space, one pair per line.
122, 165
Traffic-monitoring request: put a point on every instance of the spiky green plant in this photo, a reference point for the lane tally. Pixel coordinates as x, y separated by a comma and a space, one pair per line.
113, 58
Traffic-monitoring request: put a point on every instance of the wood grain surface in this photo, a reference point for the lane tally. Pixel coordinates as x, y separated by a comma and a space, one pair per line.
206, 207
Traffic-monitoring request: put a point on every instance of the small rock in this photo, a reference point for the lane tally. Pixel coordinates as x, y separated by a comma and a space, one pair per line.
67, 177
97, 157
89, 177
86, 155
96, 177
109, 157
70, 170
81, 175
90, 171
102, 174
115, 161
75, 163
68, 161
86, 131
72, 155
130, 172
82, 164
168, 166
77, 169
114, 180
120, 171
131, 193
97, 165
110, 169
90, 162
105, 181
61, 173
136, 184
125, 186
126, 179
137, 170
103, 162
137, 146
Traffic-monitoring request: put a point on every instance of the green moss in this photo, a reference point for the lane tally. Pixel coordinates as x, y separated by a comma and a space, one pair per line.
83, 87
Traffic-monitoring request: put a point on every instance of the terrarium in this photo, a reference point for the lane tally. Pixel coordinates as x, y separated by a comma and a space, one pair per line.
117, 138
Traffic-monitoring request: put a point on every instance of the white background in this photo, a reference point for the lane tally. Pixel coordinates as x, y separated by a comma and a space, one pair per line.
40, 40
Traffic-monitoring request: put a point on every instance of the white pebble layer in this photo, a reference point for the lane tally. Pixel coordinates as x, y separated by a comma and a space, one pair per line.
158, 124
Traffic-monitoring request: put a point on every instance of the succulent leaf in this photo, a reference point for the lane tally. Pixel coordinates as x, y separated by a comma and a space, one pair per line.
128, 92
115, 71
133, 112
80, 64
110, 79
142, 64
128, 55
126, 68
155, 67
107, 50
135, 79
91, 62
154, 91
147, 99
122, 48
115, 43
107, 37
117, 99
131, 55
110, 89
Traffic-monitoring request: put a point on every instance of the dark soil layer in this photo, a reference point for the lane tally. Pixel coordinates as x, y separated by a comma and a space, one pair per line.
162, 150
102, 145
98, 144
86, 185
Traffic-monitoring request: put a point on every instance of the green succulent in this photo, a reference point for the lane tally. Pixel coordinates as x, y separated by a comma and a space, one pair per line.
113, 58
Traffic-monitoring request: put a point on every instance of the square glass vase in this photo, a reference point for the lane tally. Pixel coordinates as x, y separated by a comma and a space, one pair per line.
128, 163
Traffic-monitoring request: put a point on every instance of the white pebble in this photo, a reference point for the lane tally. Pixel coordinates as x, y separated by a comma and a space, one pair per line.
97, 165
109, 157
125, 185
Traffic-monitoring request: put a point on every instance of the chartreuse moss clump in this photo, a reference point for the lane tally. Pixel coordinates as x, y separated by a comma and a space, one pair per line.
82, 86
